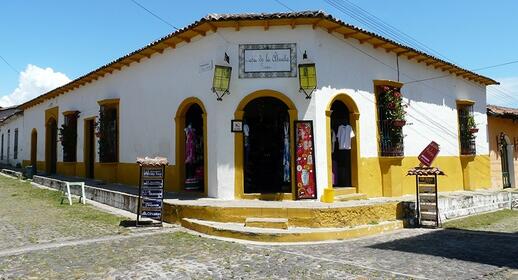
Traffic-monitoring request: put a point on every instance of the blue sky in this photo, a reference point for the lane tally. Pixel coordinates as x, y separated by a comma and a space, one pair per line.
75, 37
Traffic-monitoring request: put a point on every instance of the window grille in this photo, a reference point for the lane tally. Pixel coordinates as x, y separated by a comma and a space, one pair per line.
467, 130
390, 121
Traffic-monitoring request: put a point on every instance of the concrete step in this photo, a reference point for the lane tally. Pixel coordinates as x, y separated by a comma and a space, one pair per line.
344, 191
292, 234
347, 197
278, 223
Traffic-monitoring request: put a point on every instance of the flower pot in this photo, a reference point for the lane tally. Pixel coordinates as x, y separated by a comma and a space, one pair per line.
398, 123
473, 130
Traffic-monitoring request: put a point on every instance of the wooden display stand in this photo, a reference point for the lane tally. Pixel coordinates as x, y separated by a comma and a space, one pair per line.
151, 191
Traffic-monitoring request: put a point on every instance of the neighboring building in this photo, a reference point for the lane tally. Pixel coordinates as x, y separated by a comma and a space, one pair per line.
503, 145
11, 128
159, 100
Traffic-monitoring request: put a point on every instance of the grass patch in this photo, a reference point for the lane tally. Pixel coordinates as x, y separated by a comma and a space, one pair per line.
482, 221
24, 191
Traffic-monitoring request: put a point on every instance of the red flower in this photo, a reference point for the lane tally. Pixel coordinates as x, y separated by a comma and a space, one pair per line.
396, 94
386, 89
391, 105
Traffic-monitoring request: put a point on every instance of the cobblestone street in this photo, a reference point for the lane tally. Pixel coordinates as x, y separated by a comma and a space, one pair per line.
41, 239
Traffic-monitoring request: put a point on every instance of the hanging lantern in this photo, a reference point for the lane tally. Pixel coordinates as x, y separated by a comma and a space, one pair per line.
221, 80
307, 76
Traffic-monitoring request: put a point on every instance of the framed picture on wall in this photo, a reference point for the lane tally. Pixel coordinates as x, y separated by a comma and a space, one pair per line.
305, 176
236, 126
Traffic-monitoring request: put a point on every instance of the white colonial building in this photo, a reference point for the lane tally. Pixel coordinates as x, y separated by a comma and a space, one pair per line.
264, 139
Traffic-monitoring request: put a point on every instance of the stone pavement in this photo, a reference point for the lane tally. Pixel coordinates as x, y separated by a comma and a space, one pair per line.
37, 241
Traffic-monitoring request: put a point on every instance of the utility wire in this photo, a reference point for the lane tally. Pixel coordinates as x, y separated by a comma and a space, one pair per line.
285, 6
153, 14
10, 65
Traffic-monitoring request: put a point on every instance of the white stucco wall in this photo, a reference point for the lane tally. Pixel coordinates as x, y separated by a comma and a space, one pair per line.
150, 92
7, 129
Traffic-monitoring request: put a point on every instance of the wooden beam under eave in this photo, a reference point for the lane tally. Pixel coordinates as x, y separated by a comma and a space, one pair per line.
349, 34
391, 48
431, 61
439, 65
199, 32
412, 56
333, 29
266, 25
184, 38
379, 45
158, 49
316, 23
212, 27
365, 40
423, 58
170, 44
402, 53
293, 24
236, 26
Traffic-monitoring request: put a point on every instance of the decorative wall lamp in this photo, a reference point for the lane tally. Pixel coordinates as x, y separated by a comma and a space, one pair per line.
307, 76
221, 80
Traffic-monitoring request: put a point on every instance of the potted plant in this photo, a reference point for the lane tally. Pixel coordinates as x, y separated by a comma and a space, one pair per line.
472, 126
394, 109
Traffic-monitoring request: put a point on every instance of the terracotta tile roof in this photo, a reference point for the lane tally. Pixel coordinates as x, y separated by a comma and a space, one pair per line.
156, 161
425, 171
214, 21
7, 112
502, 112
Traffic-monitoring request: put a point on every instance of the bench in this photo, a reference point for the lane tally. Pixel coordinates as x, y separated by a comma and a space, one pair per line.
62, 186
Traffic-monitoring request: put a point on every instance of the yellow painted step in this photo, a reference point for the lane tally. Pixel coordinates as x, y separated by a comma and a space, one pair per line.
293, 234
278, 223
344, 191
347, 197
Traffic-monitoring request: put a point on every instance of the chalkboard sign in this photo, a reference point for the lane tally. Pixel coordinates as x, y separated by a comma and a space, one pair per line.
151, 194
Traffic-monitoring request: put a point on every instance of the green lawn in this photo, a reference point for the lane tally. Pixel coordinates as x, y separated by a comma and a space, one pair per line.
499, 221
32, 215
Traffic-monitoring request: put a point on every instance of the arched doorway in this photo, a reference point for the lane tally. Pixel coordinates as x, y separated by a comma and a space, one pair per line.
506, 160
191, 146
343, 142
266, 141
34, 148
51, 141
263, 152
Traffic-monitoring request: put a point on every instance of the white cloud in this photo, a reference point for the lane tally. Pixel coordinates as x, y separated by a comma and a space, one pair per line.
34, 81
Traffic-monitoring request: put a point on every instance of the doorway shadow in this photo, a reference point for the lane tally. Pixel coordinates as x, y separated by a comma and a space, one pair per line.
491, 248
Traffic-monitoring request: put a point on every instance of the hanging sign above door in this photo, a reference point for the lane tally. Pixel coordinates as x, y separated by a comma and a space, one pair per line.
267, 60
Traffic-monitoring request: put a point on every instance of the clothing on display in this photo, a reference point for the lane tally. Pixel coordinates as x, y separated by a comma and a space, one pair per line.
344, 136
286, 153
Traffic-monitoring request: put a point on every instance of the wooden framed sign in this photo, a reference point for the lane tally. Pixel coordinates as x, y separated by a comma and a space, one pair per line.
151, 191
267, 60
428, 155
305, 176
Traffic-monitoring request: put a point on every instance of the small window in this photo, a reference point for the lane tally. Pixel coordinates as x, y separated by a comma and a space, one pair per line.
391, 119
107, 131
68, 137
8, 142
2, 149
467, 129
15, 152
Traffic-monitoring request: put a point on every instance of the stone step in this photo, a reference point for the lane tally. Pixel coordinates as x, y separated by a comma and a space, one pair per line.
430, 216
347, 197
278, 223
344, 191
292, 234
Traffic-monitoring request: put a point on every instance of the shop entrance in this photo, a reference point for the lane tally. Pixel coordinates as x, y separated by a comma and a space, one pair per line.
34, 147
342, 133
194, 156
266, 146
51, 148
506, 160
89, 150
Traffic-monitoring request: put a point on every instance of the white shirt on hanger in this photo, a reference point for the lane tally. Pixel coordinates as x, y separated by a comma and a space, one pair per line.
344, 135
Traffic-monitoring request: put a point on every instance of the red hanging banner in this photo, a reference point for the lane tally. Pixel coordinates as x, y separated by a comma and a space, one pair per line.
428, 155
305, 177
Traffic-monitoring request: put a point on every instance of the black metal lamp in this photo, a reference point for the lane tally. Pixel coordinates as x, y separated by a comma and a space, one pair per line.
307, 76
221, 80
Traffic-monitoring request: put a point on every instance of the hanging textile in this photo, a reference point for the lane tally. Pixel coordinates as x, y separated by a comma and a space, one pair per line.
286, 153
190, 144
345, 134
333, 140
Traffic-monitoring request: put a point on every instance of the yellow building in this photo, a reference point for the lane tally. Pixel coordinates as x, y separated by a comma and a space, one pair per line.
503, 145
